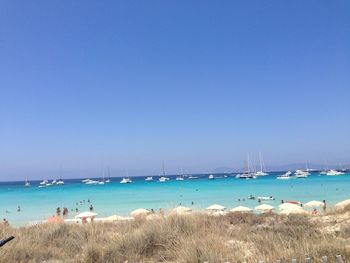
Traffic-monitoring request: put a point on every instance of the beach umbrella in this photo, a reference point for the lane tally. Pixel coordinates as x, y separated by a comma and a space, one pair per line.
314, 204
55, 219
342, 204
181, 210
241, 209
140, 212
264, 208
288, 206
216, 208
114, 218
86, 215
219, 213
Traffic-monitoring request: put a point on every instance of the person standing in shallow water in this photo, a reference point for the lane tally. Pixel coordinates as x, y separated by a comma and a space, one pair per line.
324, 206
91, 208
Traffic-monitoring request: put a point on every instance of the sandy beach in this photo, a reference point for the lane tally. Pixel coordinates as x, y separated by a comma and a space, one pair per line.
196, 237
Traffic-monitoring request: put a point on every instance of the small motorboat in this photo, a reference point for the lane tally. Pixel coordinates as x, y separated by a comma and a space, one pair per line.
211, 177
265, 198
285, 176
149, 178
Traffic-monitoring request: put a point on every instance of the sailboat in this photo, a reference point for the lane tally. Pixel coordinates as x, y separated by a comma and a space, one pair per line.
247, 174
126, 180
109, 177
180, 177
103, 178
163, 178
27, 183
60, 181
261, 172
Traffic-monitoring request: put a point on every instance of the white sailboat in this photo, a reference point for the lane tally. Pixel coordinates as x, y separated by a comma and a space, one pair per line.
149, 178
27, 183
261, 172
247, 174
60, 181
163, 178
126, 180
109, 176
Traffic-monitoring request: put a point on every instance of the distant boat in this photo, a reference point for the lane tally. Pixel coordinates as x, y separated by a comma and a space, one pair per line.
126, 181
301, 174
211, 177
180, 178
27, 183
54, 182
89, 181
149, 178
60, 181
261, 172
334, 173
247, 174
163, 179
85, 180
109, 176
44, 182
192, 177
285, 176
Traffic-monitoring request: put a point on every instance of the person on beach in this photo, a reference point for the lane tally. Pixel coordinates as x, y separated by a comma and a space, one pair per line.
91, 208
314, 212
58, 211
65, 211
324, 206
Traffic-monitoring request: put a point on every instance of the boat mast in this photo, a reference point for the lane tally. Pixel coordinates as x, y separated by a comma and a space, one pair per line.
163, 168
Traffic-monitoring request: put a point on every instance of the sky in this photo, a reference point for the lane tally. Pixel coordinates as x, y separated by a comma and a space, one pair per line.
197, 84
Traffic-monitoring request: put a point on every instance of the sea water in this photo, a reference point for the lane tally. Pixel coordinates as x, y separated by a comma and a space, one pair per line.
115, 198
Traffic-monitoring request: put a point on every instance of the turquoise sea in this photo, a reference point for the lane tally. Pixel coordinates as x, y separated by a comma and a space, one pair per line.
115, 198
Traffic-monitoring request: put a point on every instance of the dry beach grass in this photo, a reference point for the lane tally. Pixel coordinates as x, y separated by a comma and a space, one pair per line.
192, 238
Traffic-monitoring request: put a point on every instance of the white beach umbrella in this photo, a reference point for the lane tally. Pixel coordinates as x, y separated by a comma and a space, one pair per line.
216, 208
288, 206
86, 215
264, 208
181, 210
219, 213
342, 204
241, 209
140, 212
314, 204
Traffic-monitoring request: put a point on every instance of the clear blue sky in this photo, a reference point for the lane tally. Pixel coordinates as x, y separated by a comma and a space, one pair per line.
128, 84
